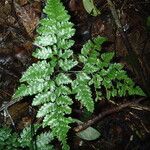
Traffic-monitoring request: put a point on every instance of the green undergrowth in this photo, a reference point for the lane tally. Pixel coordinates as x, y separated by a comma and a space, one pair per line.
9, 140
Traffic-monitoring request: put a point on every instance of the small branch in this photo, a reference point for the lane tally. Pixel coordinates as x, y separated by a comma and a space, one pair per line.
136, 65
8, 104
8, 72
114, 14
104, 114
7, 115
140, 107
141, 122
120, 28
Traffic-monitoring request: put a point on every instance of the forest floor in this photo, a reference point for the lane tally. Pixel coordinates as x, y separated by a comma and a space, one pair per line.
128, 129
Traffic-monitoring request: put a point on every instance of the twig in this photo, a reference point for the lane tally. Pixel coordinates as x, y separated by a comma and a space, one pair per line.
104, 114
5, 106
9, 116
140, 107
120, 28
136, 65
8, 72
141, 122
6, 114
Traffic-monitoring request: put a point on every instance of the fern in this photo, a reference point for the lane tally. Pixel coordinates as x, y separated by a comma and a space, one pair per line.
103, 74
52, 91
54, 81
10, 140
42, 140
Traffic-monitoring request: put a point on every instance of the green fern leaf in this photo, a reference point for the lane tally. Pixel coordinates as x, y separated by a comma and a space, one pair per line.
97, 81
63, 90
40, 70
25, 136
93, 45
62, 79
43, 53
67, 54
107, 57
136, 91
84, 95
42, 98
67, 65
89, 68
8, 139
63, 100
82, 58
46, 40
43, 141
65, 44
83, 77
33, 88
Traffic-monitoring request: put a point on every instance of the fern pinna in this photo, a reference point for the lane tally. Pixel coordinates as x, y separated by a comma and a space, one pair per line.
50, 79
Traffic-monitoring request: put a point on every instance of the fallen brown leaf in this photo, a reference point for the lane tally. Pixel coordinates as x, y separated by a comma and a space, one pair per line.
23, 2
27, 17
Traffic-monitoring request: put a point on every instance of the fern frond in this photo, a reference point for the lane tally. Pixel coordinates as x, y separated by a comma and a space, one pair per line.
33, 88
55, 10
67, 65
62, 79
25, 136
43, 141
105, 74
82, 90
40, 70
44, 97
8, 139
54, 83
52, 91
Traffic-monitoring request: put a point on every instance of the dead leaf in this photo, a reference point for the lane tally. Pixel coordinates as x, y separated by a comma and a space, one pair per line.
75, 5
27, 17
37, 6
10, 20
23, 2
